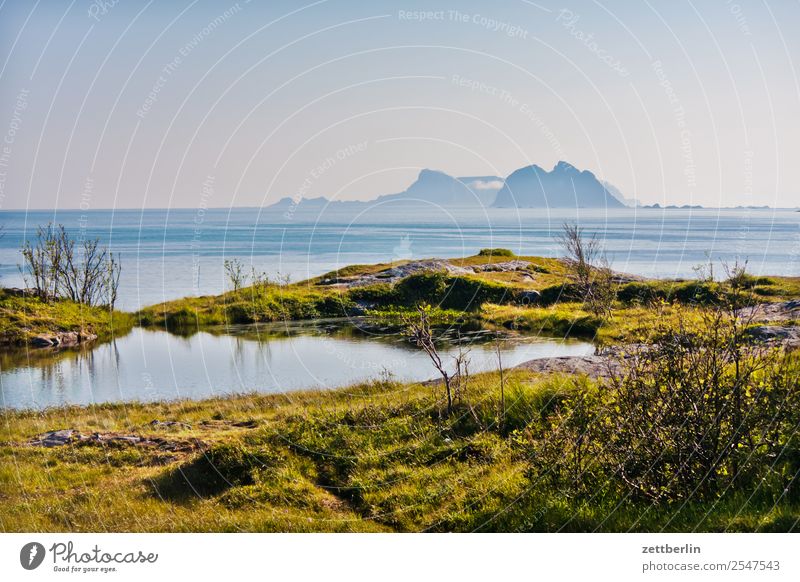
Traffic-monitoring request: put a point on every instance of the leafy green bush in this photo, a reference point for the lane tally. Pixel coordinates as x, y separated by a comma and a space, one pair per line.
767, 291
378, 294
496, 253
691, 416
565, 292
466, 293
640, 292
427, 287
181, 319
330, 306
699, 292
459, 293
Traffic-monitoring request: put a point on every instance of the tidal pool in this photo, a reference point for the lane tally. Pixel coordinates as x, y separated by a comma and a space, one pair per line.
150, 365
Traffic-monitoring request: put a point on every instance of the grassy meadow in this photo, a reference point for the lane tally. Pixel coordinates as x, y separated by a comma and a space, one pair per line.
374, 457
697, 433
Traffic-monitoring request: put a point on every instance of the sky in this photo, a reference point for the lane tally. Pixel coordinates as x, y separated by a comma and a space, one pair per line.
133, 104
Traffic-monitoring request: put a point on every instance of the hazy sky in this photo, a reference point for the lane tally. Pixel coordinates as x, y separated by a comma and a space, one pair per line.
185, 103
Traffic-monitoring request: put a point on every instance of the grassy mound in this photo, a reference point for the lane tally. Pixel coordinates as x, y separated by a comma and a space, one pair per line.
25, 317
373, 457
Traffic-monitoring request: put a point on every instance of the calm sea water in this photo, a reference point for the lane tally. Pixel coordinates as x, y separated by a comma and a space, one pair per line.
168, 254
148, 365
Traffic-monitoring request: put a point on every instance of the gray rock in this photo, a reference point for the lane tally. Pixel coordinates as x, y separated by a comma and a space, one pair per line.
504, 267
528, 296
41, 341
67, 339
395, 274
56, 438
593, 366
85, 336
130, 439
786, 335
62, 339
769, 312
769, 332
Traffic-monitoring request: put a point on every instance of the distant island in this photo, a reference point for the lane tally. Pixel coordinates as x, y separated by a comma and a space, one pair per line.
564, 186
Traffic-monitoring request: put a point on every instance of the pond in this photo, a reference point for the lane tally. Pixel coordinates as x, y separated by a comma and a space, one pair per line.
150, 365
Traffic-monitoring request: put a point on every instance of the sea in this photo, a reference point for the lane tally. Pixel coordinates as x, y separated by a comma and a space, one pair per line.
172, 253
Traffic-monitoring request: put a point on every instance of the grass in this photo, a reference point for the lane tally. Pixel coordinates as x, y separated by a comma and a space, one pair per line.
373, 457
628, 324
562, 320
250, 305
314, 299
495, 297
317, 298
23, 318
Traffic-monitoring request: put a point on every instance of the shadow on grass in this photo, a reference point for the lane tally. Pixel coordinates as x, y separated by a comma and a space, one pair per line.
213, 472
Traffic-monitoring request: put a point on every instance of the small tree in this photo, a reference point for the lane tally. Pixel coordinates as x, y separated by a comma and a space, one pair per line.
588, 269
420, 332
90, 276
41, 260
235, 272
113, 272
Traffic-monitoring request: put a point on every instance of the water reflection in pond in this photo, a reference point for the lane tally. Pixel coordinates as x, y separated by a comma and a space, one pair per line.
148, 365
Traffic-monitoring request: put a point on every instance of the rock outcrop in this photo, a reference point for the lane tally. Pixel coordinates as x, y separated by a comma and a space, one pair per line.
62, 339
70, 436
771, 312
595, 366
786, 335
395, 274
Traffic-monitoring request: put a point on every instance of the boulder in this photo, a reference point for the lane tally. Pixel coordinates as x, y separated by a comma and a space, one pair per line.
788, 335
593, 366
63, 339
528, 296
770, 312
41, 341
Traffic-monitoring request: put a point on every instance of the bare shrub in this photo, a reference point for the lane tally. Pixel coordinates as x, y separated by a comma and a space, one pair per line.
56, 266
234, 270
456, 383
588, 270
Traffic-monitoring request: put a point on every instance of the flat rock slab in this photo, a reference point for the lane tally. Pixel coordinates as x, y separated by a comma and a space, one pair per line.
64, 437
770, 312
395, 274
786, 335
596, 366
55, 438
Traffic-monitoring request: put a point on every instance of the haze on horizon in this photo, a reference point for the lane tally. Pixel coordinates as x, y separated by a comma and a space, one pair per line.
132, 104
